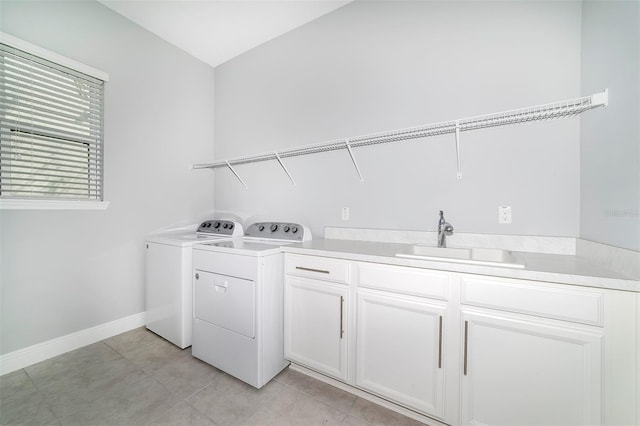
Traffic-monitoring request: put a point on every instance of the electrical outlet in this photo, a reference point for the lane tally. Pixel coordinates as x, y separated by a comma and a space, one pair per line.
345, 213
504, 214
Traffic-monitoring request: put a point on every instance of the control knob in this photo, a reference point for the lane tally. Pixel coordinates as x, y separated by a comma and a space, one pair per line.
261, 228
273, 227
294, 229
286, 228
216, 224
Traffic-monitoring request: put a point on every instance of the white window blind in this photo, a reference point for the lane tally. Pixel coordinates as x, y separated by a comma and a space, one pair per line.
51, 129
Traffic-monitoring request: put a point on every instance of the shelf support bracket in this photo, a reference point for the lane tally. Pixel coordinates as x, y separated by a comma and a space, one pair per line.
285, 169
458, 149
237, 175
353, 159
600, 99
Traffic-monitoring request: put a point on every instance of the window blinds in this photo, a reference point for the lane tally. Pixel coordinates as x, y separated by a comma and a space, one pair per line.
51, 129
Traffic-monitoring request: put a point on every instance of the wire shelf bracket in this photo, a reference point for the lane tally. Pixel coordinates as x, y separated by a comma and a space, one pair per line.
284, 168
544, 112
236, 174
458, 149
353, 159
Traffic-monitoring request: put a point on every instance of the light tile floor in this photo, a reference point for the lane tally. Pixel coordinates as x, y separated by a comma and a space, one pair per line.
138, 378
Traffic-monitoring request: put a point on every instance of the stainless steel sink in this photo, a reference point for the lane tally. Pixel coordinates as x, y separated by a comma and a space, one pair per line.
468, 255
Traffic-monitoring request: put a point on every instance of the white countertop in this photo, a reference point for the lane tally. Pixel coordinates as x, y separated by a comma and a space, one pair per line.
557, 268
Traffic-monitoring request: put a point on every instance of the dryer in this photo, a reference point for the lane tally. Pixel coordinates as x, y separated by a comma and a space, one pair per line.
238, 301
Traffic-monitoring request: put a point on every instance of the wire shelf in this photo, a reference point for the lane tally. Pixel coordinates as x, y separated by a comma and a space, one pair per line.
545, 112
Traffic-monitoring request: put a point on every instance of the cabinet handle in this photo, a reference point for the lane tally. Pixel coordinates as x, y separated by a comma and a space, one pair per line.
341, 316
440, 345
321, 271
466, 341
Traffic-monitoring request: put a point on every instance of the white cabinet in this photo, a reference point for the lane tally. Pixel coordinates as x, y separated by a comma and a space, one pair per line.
532, 353
467, 349
518, 371
315, 317
399, 349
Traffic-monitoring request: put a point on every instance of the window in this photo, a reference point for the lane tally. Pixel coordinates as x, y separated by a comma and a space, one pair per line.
51, 127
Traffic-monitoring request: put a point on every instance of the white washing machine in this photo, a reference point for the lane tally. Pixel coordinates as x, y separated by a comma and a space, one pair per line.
169, 303
238, 298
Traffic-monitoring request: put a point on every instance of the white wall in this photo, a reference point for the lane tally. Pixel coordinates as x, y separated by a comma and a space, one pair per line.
64, 271
376, 66
610, 151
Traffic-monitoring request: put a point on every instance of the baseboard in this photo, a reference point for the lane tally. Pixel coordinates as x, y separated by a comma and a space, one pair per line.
33, 354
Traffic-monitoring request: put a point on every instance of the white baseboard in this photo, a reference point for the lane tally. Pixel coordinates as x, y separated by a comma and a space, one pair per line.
33, 354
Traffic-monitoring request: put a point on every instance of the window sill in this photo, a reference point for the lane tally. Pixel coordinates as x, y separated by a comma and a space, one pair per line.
16, 204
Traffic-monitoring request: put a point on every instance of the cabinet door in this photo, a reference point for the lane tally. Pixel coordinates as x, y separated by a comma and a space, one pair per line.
315, 325
517, 372
399, 350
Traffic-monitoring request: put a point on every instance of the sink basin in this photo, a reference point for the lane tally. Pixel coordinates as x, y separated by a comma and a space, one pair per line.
492, 255
473, 256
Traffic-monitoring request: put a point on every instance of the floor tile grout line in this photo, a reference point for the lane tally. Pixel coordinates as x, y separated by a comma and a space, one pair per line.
171, 407
186, 400
133, 361
42, 395
347, 413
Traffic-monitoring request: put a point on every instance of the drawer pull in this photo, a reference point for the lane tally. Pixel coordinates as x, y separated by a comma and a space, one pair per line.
320, 271
221, 286
440, 344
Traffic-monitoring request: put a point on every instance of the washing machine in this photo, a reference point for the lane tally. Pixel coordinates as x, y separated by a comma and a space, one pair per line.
238, 300
169, 303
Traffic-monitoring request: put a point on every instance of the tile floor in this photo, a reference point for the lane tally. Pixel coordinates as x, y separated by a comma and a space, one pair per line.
138, 378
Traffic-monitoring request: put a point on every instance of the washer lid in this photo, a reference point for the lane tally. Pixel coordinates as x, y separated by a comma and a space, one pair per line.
244, 246
254, 245
183, 238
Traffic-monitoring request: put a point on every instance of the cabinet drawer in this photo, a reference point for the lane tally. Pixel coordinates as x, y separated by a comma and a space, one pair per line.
413, 281
533, 298
322, 268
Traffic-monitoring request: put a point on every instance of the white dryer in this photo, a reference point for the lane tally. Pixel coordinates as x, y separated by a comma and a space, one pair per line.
238, 301
169, 303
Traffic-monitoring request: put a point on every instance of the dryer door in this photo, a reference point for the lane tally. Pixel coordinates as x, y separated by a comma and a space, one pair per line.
225, 301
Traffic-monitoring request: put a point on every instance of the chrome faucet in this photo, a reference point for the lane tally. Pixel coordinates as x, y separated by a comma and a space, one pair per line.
444, 229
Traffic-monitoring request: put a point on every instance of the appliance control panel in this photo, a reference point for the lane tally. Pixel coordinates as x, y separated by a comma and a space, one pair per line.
220, 227
278, 231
